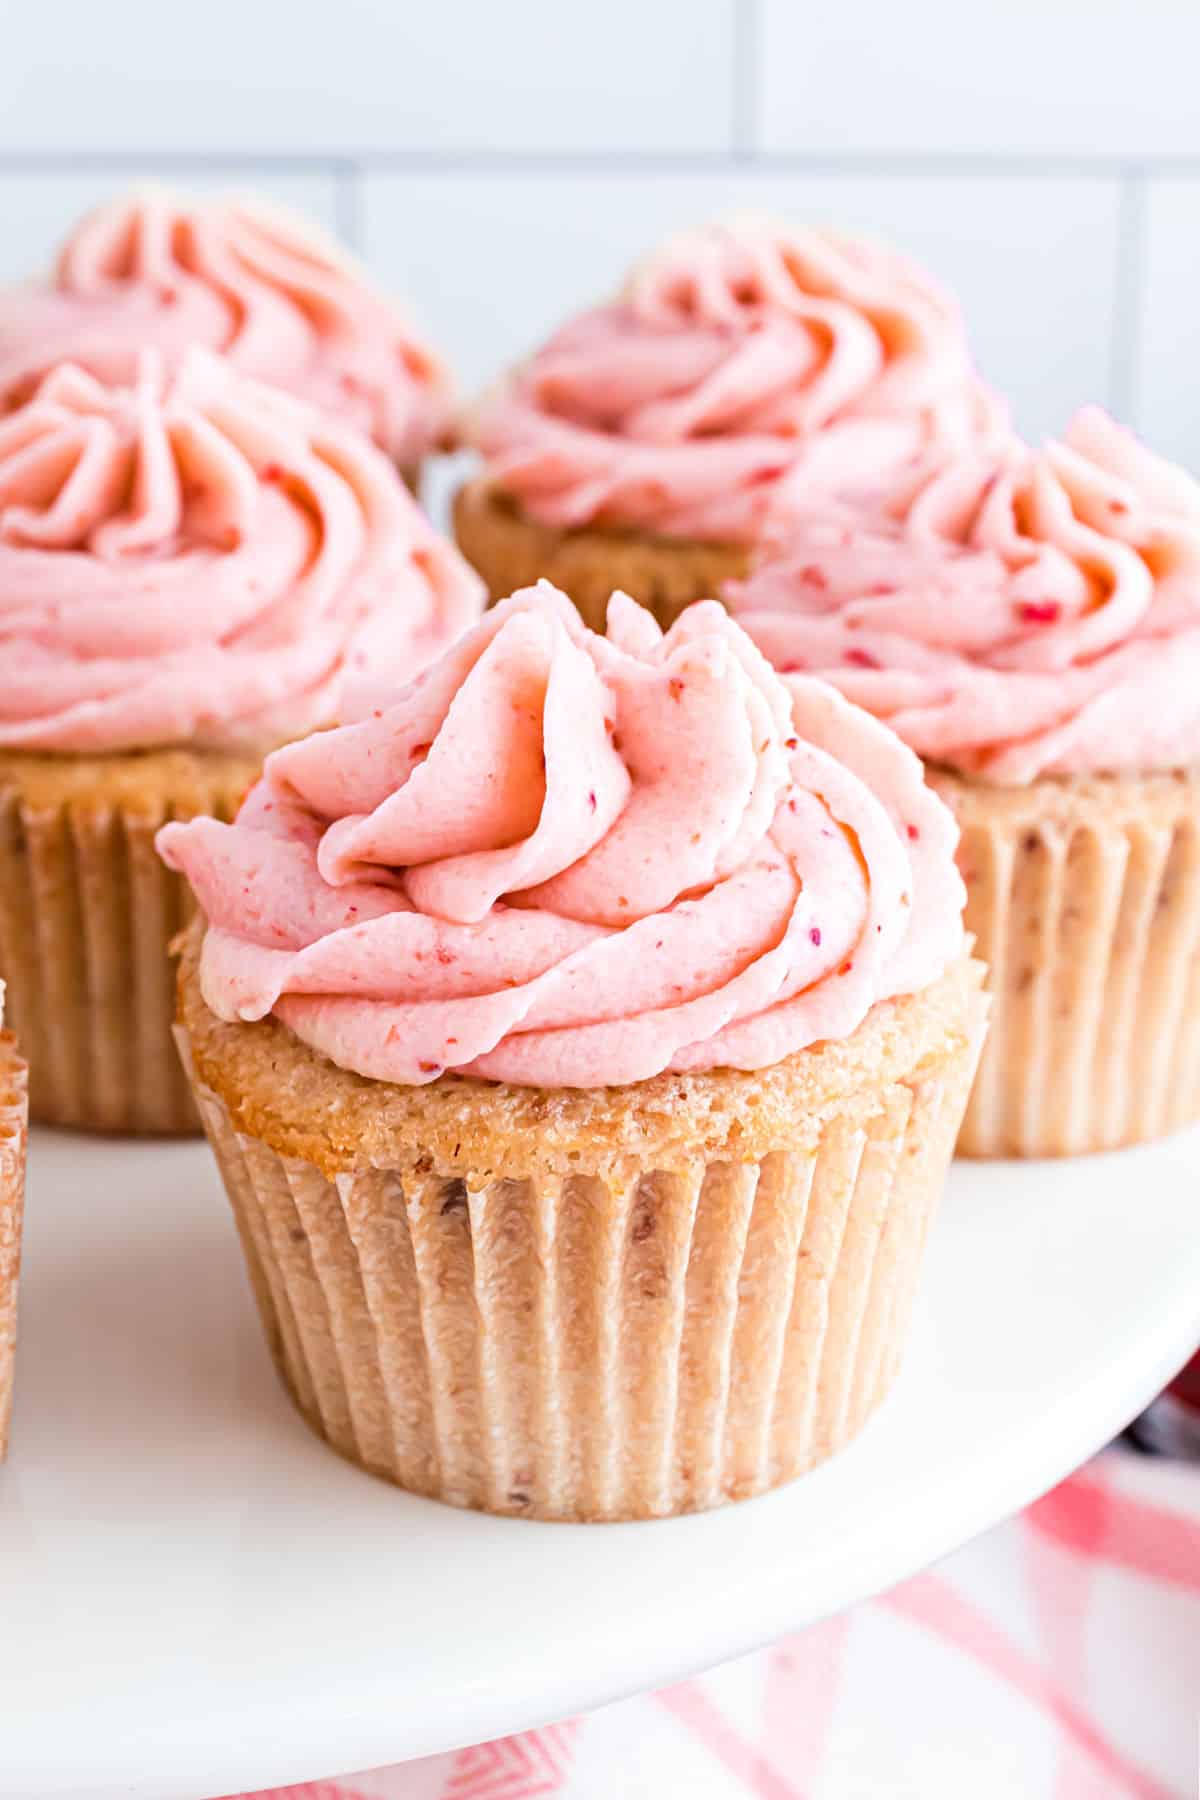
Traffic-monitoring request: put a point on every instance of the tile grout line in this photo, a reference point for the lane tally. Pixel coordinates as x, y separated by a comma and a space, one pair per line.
877, 163
746, 69
1129, 287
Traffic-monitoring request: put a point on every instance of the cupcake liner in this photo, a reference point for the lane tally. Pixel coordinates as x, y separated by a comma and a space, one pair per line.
1084, 898
511, 551
615, 1343
87, 911
13, 1122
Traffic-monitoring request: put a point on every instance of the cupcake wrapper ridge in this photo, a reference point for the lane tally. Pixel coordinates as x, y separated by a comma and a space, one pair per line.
1084, 899
87, 911
601, 1346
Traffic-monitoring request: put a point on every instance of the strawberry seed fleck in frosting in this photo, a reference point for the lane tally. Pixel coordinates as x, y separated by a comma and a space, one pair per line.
738, 354
200, 559
566, 860
1011, 614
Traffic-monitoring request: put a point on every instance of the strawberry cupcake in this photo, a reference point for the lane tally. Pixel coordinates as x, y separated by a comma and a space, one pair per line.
283, 302
13, 1119
643, 446
1030, 623
582, 1039
192, 571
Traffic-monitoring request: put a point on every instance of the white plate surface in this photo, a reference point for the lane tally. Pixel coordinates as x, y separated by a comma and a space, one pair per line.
196, 1597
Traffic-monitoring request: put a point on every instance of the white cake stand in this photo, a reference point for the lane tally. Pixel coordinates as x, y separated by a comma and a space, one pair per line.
196, 1597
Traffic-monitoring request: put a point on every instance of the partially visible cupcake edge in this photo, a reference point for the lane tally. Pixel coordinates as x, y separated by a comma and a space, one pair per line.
1083, 895
300, 1104
154, 781
87, 909
14, 1111
512, 550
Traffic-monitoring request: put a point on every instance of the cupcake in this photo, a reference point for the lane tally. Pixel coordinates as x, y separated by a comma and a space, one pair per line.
582, 1039
283, 302
1030, 623
643, 446
13, 1112
192, 571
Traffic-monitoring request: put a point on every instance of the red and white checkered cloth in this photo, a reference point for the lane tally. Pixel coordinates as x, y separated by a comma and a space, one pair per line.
1056, 1658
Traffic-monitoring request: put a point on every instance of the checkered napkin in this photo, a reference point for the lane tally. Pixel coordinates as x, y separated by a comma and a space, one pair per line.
1056, 1658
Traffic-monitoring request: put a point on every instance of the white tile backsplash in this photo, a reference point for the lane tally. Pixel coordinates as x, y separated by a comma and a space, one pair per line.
493, 261
504, 163
1073, 77
378, 75
1167, 354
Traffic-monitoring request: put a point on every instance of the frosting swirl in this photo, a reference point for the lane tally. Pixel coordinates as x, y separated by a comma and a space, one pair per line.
738, 352
1025, 613
276, 296
202, 559
572, 861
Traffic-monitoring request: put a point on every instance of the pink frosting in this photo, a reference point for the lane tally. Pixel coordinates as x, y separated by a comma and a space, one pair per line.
202, 559
1024, 613
572, 861
276, 296
738, 353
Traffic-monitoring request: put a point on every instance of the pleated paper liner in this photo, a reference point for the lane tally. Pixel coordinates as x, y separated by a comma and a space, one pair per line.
511, 551
1084, 899
14, 1109
624, 1340
87, 911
